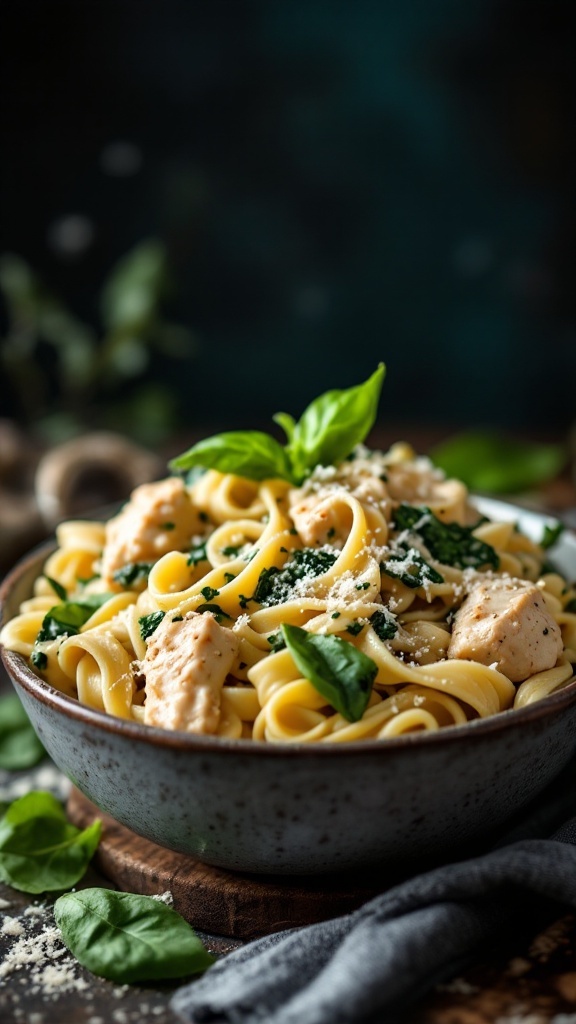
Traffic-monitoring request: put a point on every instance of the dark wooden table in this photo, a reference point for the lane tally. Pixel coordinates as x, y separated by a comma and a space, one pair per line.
529, 977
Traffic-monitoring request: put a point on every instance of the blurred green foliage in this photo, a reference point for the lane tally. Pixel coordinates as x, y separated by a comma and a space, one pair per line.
66, 375
491, 463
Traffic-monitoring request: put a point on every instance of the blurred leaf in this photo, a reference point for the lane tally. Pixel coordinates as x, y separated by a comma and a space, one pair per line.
498, 465
149, 415
19, 744
19, 285
131, 294
173, 340
128, 357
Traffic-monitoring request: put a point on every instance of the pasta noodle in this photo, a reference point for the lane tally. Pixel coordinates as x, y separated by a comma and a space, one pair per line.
380, 552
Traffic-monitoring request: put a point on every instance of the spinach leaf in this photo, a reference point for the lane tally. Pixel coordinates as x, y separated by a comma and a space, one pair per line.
332, 425
39, 850
215, 610
67, 619
329, 428
133, 573
248, 453
340, 672
128, 938
149, 623
448, 543
58, 589
39, 659
489, 462
384, 625
19, 744
275, 585
410, 568
551, 534
197, 554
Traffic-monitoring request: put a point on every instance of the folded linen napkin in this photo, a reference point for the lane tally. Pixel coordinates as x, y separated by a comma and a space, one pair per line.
370, 965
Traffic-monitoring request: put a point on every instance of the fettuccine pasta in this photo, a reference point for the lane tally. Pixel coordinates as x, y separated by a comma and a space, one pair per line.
187, 610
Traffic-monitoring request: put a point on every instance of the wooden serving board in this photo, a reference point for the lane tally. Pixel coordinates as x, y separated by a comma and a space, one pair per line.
222, 902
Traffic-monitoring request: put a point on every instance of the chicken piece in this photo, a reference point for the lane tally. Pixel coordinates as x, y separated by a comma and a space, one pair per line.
419, 483
159, 517
318, 517
186, 663
505, 622
315, 518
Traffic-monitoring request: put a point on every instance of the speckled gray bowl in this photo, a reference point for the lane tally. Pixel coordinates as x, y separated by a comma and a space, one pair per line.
302, 809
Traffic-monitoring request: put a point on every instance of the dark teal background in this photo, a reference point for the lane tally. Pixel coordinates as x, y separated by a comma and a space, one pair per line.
336, 183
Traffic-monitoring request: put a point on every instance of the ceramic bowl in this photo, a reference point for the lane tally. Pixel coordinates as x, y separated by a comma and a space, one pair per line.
302, 809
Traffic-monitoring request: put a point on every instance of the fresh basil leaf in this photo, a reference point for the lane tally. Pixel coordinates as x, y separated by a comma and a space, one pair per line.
551, 534
149, 623
19, 744
448, 543
340, 672
248, 453
334, 424
133, 573
128, 938
287, 422
410, 568
498, 465
571, 606
39, 850
58, 589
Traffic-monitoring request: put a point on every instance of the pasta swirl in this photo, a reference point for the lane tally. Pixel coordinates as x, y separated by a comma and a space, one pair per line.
379, 560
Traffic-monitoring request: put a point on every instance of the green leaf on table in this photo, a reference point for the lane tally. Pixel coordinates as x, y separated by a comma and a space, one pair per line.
19, 744
337, 669
495, 464
129, 938
40, 851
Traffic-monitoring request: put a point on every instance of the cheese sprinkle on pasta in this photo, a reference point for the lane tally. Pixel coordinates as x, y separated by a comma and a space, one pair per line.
172, 613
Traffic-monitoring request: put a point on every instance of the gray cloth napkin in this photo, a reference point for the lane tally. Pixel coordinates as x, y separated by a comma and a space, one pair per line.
371, 964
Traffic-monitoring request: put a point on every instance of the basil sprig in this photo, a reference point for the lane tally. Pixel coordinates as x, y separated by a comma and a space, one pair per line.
128, 938
19, 744
40, 851
329, 428
340, 672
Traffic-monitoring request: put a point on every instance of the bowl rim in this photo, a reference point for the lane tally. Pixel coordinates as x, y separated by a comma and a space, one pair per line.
23, 676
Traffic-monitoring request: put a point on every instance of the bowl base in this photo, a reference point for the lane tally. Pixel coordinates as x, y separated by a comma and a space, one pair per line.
226, 903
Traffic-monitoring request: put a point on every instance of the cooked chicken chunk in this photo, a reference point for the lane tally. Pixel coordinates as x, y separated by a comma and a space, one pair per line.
158, 518
186, 663
505, 622
315, 519
316, 515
